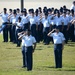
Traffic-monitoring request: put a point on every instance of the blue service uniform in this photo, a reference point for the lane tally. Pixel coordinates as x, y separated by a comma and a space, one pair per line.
38, 30
18, 30
58, 22
4, 26
24, 52
25, 21
71, 30
46, 27
58, 38
52, 23
65, 31
13, 20
29, 41
10, 27
33, 25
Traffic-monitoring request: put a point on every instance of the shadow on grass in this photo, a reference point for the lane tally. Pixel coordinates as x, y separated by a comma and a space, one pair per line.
39, 49
13, 48
52, 68
71, 45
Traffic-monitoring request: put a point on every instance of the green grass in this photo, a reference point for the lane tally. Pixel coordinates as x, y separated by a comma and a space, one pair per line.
43, 60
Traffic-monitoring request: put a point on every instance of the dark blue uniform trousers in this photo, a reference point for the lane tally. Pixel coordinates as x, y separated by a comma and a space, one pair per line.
46, 38
41, 32
10, 32
26, 26
58, 55
38, 34
13, 34
60, 28
33, 30
24, 56
5, 32
17, 40
53, 27
3, 26
71, 33
65, 32
29, 57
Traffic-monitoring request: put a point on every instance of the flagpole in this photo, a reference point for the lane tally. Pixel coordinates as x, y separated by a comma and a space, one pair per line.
22, 4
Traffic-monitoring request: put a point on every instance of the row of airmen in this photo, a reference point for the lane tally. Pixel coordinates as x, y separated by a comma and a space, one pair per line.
40, 22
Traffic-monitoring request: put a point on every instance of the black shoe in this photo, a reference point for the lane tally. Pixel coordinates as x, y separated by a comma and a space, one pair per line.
17, 46
56, 67
14, 42
23, 66
10, 41
6, 41
44, 43
29, 70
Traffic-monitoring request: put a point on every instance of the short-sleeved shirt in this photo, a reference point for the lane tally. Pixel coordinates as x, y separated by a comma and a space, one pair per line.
13, 19
28, 40
72, 18
58, 38
32, 20
73, 7
38, 20
69, 17
45, 22
58, 21
52, 22
65, 20
23, 40
9, 16
25, 19
19, 24
4, 17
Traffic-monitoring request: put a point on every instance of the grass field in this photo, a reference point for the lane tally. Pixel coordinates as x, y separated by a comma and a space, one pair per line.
43, 60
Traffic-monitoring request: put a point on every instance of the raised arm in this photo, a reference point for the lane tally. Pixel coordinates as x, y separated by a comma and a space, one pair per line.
21, 33
73, 21
51, 32
20, 37
1, 13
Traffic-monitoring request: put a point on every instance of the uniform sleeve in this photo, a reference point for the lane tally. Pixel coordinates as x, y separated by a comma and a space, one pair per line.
22, 37
49, 21
42, 20
36, 20
52, 35
28, 18
0, 14
62, 20
21, 24
33, 40
71, 7
11, 20
7, 15
68, 19
62, 36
